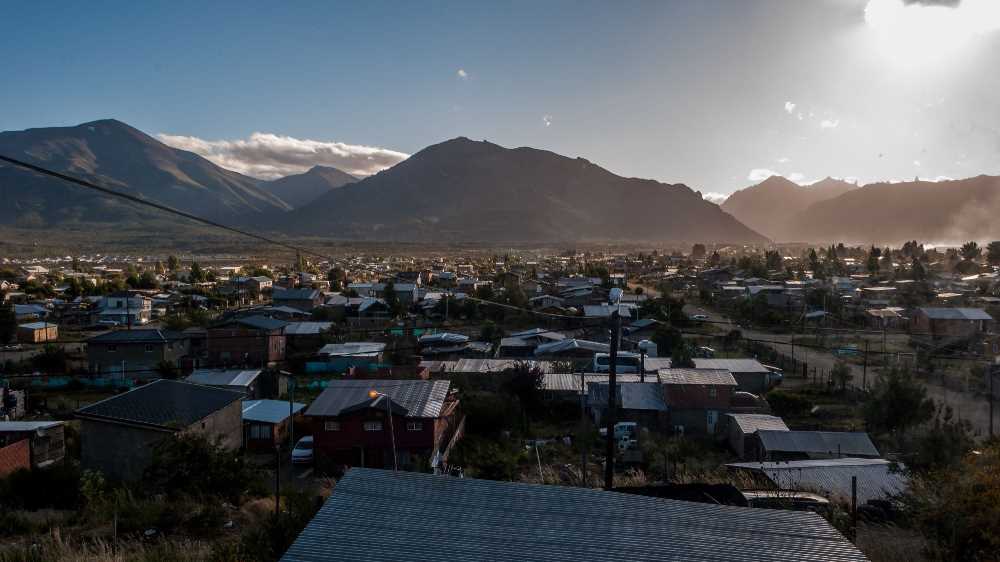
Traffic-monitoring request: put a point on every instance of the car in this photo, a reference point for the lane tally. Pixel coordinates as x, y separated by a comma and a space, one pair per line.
700, 317
302, 453
13, 347
112, 323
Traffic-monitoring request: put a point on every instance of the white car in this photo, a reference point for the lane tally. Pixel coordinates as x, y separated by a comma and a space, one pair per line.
303, 451
700, 317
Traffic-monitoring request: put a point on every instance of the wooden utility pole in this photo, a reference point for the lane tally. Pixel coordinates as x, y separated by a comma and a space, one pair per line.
582, 435
609, 455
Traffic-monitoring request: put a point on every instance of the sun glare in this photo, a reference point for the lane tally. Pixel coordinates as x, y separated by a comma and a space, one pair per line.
916, 33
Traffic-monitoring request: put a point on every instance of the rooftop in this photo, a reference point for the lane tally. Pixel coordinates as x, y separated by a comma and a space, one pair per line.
224, 377
697, 376
165, 404
269, 411
419, 398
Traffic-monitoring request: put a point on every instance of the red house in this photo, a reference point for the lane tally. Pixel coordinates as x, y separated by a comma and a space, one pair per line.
254, 341
697, 398
352, 428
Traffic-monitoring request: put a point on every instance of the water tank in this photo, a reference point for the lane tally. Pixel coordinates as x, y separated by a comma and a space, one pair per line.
649, 347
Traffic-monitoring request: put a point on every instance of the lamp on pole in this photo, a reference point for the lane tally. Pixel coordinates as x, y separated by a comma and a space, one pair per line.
374, 394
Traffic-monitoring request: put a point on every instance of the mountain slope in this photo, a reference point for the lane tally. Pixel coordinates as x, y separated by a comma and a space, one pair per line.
769, 206
299, 189
463, 190
891, 213
115, 155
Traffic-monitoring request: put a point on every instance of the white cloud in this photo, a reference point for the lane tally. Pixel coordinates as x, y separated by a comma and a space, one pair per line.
761, 174
800, 116
789, 107
270, 156
547, 119
713, 197
783, 160
796, 177
461, 73
829, 123
916, 163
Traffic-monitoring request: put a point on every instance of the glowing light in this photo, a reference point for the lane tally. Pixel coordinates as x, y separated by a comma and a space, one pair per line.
916, 33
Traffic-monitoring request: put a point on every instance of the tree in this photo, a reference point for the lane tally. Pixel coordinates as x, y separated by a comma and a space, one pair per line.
841, 374
173, 264
392, 299
772, 259
8, 323
897, 402
666, 338
166, 369
698, 251
918, 271
336, 276
873, 255
525, 381
197, 274
993, 253
970, 251
681, 357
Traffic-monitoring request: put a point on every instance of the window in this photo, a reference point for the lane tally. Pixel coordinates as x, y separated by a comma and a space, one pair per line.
260, 431
414, 426
713, 392
373, 426
332, 426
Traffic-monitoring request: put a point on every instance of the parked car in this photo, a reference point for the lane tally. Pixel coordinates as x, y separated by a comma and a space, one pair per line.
112, 323
628, 362
303, 451
700, 317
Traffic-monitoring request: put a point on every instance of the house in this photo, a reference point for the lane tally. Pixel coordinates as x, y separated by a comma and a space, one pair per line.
28, 312
37, 332
740, 429
125, 309
783, 445
697, 398
514, 521
118, 434
636, 402
304, 299
877, 479
266, 423
242, 381
750, 374
949, 323
571, 347
45, 441
342, 356
524, 343
250, 341
571, 386
352, 428
138, 353
305, 337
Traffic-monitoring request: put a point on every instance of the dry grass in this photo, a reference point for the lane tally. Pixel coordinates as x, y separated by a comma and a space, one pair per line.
55, 548
888, 543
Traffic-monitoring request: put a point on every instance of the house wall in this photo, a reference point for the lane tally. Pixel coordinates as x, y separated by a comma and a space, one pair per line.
236, 346
121, 452
924, 326
103, 360
28, 335
223, 427
696, 396
695, 421
346, 445
15, 456
755, 383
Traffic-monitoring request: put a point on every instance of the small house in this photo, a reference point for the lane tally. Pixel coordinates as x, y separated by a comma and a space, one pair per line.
37, 332
266, 423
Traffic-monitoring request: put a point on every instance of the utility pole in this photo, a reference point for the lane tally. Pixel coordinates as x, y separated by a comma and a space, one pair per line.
609, 454
864, 373
584, 443
277, 481
642, 364
993, 372
854, 508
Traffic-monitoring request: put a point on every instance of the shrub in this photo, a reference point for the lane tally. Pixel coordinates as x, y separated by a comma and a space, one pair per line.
784, 403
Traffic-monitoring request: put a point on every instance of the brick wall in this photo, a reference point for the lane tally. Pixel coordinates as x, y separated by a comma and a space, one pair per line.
14, 457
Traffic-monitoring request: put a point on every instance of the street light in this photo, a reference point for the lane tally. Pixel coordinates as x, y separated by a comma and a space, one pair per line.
374, 394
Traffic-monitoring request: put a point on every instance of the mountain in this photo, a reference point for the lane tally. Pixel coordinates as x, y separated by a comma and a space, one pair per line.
891, 213
467, 191
299, 189
115, 155
770, 206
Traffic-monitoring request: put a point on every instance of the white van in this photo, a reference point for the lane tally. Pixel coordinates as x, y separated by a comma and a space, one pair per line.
627, 362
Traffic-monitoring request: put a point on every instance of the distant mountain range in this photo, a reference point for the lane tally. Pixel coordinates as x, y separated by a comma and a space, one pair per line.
300, 189
464, 190
770, 206
947, 212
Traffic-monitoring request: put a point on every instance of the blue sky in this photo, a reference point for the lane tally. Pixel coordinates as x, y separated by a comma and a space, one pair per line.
712, 93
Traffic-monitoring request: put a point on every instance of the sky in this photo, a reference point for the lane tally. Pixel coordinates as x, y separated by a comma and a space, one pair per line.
714, 94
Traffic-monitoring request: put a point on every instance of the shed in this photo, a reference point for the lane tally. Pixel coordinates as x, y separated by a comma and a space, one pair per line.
266, 422
877, 478
37, 332
774, 445
741, 427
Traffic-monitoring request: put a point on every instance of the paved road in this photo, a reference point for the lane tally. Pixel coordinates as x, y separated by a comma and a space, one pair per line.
966, 405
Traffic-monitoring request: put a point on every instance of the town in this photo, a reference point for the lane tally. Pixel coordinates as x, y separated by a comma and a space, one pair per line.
212, 404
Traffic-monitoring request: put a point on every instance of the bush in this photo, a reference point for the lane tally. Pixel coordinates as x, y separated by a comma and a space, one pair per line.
785, 403
487, 458
191, 466
57, 487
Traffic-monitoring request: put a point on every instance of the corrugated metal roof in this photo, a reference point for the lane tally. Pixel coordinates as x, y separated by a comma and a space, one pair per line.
853, 443
731, 365
420, 398
631, 396
404, 516
224, 377
19, 426
307, 328
877, 478
570, 382
935, 313
356, 349
571, 344
269, 411
697, 376
164, 403
749, 423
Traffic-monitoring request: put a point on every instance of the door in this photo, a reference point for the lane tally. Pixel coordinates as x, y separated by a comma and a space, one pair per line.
711, 418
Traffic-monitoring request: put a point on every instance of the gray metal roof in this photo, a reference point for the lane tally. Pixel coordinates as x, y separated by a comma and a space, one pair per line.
631, 396
294, 294
570, 382
260, 323
24, 426
404, 516
877, 478
269, 411
749, 423
571, 344
715, 377
852, 443
306, 328
162, 403
935, 313
355, 349
420, 399
731, 365
224, 377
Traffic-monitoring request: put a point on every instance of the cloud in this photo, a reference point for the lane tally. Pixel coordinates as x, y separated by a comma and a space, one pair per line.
461, 73
547, 119
714, 197
789, 107
829, 123
916, 163
800, 116
761, 174
783, 160
270, 156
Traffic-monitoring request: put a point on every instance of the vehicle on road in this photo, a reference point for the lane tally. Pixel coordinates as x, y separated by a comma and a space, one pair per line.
700, 317
303, 451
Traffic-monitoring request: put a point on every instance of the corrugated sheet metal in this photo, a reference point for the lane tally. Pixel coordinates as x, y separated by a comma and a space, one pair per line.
945, 313
269, 411
224, 377
570, 382
714, 377
396, 517
631, 396
421, 399
877, 478
731, 365
306, 328
749, 423
850, 443
23, 426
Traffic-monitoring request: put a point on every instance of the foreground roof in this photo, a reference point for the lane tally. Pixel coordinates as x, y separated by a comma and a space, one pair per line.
419, 398
508, 521
24, 426
164, 404
877, 478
